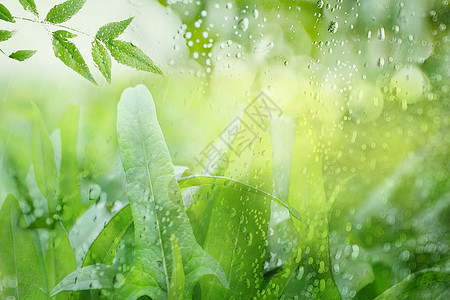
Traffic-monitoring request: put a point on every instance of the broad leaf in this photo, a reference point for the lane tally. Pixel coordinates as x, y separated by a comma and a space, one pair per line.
63, 12
415, 282
69, 54
176, 289
69, 178
6, 35
5, 15
205, 180
128, 54
93, 277
102, 59
29, 5
156, 204
22, 55
20, 271
44, 162
112, 30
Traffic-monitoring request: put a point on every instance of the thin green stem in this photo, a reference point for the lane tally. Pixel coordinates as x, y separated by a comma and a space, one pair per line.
2, 51
45, 23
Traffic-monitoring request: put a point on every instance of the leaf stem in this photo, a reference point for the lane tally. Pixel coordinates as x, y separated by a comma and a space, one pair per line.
45, 23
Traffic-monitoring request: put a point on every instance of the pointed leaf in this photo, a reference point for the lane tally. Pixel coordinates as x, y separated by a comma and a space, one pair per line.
112, 30
205, 180
93, 277
5, 15
176, 289
6, 35
29, 5
22, 55
156, 203
102, 59
59, 259
20, 268
128, 54
105, 245
64, 34
44, 162
69, 54
63, 12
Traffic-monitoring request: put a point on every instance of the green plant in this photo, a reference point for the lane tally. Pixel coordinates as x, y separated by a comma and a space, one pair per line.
104, 45
159, 246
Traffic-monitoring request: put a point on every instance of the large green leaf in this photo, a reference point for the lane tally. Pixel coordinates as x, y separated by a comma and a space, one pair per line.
20, 271
6, 35
415, 282
220, 181
5, 14
102, 59
69, 54
44, 162
63, 12
156, 204
92, 277
69, 177
128, 54
112, 30
29, 5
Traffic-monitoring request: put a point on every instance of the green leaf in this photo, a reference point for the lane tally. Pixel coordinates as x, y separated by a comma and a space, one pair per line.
5, 15
64, 34
128, 54
30, 6
93, 277
63, 12
112, 30
414, 282
59, 259
6, 35
206, 180
307, 195
22, 55
44, 162
156, 204
102, 59
69, 178
68, 53
105, 245
176, 289
21, 274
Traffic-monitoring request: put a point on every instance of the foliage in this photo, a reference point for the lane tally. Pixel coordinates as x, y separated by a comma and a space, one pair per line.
106, 38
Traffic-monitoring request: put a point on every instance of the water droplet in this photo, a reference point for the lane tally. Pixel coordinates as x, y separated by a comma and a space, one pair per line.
333, 27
